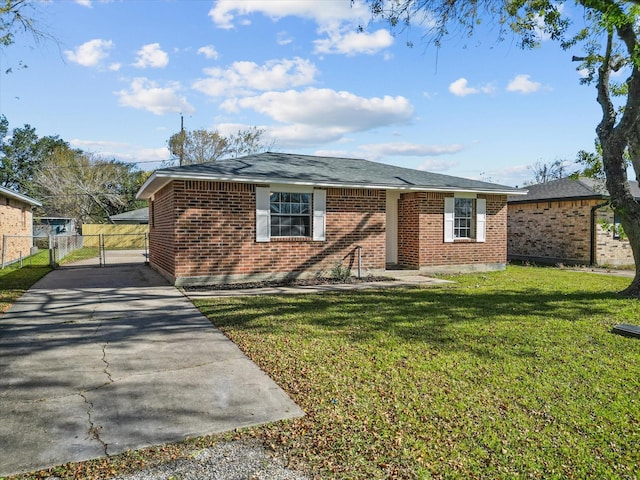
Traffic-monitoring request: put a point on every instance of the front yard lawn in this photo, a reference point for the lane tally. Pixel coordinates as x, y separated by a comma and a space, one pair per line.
14, 281
502, 375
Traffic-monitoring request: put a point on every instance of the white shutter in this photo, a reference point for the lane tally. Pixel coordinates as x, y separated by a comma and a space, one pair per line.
263, 214
449, 203
481, 220
319, 215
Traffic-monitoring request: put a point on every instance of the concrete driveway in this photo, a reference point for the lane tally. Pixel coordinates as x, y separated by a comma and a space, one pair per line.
95, 361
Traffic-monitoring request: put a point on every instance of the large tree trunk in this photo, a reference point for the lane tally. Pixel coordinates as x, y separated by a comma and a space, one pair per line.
615, 138
624, 204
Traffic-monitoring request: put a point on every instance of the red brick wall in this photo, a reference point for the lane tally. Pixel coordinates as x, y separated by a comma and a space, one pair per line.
557, 231
410, 205
214, 225
162, 220
16, 219
423, 227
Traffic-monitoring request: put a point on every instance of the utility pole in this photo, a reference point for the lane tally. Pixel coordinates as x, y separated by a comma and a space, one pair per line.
181, 139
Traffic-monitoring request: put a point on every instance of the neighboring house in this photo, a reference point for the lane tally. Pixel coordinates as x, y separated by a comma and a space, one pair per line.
567, 221
16, 225
45, 226
274, 215
139, 216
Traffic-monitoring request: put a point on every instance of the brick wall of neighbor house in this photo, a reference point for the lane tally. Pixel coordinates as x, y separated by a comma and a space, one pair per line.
610, 250
421, 233
15, 219
556, 231
162, 221
215, 233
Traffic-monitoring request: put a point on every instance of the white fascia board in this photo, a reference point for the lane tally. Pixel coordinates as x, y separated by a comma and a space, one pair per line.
18, 196
162, 179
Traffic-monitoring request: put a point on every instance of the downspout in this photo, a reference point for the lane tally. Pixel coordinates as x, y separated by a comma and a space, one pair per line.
592, 255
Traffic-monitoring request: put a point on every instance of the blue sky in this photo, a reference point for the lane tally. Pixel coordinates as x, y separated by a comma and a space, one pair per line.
122, 72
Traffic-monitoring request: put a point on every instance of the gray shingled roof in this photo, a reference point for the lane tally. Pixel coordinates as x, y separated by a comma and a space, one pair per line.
568, 189
141, 215
318, 171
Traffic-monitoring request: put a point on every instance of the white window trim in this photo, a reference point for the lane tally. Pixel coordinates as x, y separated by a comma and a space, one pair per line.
263, 211
480, 233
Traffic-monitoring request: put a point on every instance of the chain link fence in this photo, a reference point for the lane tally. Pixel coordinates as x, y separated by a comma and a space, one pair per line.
25, 251
74, 250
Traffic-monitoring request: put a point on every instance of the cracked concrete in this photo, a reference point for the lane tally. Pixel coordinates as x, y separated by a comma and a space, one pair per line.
106, 363
96, 361
94, 430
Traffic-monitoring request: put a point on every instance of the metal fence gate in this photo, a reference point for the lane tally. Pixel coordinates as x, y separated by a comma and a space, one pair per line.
63, 251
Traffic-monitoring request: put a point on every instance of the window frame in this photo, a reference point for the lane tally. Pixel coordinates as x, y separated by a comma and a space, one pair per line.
458, 218
288, 201
478, 219
317, 209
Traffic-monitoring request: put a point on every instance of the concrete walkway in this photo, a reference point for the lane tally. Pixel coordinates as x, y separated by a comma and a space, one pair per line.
95, 361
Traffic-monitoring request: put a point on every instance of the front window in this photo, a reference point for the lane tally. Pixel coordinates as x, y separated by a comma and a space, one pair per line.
463, 218
290, 214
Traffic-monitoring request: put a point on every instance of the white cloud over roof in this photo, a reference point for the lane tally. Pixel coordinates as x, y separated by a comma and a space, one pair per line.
145, 94
248, 77
326, 108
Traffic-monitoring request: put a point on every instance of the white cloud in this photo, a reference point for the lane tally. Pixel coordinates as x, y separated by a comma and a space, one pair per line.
329, 109
91, 53
151, 55
249, 77
409, 149
353, 43
84, 3
284, 38
337, 22
125, 152
523, 84
433, 165
209, 52
145, 94
322, 12
461, 88
114, 67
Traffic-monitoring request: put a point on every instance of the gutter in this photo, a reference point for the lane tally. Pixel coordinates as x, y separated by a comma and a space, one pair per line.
592, 254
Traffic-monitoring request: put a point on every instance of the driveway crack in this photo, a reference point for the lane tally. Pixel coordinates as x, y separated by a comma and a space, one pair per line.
94, 430
106, 363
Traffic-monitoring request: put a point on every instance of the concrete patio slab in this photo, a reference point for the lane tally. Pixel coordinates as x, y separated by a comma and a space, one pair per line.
95, 361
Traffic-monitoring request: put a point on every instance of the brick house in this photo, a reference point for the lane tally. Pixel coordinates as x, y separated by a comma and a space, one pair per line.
274, 215
567, 221
16, 225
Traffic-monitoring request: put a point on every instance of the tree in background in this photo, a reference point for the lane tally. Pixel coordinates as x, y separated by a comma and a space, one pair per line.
86, 187
544, 172
22, 153
609, 41
189, 147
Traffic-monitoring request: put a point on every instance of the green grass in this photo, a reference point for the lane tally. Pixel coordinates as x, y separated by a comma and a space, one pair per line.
512, 374
14, 281
502, 375
81, 254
